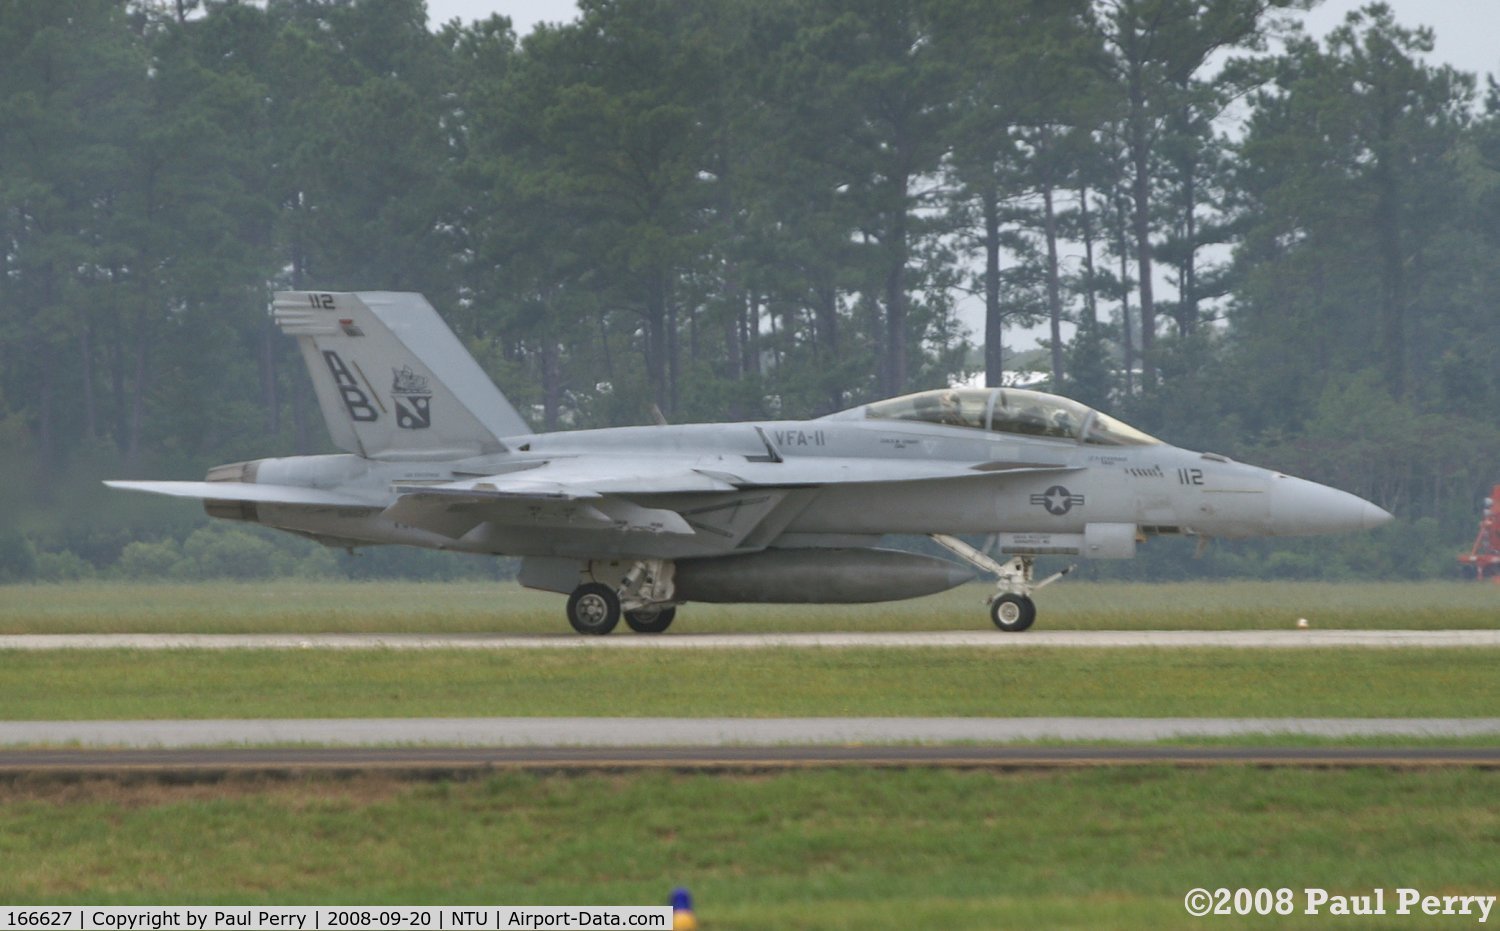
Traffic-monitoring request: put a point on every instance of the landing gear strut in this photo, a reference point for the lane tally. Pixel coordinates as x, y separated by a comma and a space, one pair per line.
1011, 607
643, 598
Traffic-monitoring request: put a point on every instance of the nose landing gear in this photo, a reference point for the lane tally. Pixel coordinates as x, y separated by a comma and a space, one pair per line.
1012, 613
1011, 607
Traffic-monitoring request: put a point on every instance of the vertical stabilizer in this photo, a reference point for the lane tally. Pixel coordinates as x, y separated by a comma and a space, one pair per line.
392, 379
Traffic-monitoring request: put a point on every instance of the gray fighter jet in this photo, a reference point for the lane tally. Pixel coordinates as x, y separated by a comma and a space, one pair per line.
634, 521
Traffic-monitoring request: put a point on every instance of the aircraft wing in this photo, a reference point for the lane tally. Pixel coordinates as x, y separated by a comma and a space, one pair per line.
715, 497
716, 502
594, 477
581, 478
590, 493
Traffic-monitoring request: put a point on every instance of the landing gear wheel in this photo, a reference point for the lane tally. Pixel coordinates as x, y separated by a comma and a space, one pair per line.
1013, 613
650, 620
593, 609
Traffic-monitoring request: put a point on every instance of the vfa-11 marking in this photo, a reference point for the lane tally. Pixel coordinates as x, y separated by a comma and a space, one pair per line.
633, 522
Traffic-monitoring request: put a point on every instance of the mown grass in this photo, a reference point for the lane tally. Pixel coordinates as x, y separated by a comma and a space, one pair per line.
748, 683
807, 849
283, 606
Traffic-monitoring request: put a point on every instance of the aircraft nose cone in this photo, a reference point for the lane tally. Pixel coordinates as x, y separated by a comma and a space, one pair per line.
1374, 516
1301, 507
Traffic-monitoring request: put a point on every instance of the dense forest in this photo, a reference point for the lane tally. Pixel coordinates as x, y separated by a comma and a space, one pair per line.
1238, 237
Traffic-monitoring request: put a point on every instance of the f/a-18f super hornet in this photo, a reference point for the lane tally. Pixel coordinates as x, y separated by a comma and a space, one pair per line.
634, 521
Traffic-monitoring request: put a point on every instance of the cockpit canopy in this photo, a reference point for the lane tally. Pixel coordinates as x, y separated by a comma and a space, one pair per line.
1011, 410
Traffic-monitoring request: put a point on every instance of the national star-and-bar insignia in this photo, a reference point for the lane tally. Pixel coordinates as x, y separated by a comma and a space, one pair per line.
1057, 500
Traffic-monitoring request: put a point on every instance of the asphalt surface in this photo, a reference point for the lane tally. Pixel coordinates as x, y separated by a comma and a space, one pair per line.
994, 639
442, 762
701, 732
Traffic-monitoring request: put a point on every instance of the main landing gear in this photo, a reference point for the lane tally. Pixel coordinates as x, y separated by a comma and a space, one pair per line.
594, 609
1011, 607
643, 599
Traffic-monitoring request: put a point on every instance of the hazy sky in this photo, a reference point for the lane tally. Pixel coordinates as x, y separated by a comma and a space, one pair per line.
523, 13
1468, 31
1466, 34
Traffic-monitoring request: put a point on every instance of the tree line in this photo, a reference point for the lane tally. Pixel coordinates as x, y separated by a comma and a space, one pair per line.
1237, 236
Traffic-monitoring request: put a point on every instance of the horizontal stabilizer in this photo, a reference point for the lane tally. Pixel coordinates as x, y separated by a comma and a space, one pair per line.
244, 491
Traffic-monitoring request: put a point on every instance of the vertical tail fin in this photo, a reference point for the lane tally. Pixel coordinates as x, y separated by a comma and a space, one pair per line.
392, 379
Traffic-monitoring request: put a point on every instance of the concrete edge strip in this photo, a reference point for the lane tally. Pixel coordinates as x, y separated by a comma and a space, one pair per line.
1092, 639
212, 766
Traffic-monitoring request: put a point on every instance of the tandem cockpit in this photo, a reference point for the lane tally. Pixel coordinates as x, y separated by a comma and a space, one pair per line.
1018, 411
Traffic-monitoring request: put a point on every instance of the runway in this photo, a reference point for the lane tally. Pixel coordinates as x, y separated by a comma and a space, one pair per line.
977, 639
450, 762
626, 732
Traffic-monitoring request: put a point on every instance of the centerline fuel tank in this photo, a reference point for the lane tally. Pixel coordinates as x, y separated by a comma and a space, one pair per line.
817, 576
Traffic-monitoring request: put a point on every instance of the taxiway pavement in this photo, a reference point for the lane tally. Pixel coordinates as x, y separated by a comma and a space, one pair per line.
987, 639
447, 762
704, 732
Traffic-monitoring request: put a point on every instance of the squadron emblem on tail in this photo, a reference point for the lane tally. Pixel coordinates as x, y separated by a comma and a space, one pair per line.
412, 397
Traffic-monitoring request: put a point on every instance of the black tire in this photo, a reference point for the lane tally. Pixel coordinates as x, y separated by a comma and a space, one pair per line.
593, 609
650, 620
1013, 613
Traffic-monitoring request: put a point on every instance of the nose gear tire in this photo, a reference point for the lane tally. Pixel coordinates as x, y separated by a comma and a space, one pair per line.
1013, 613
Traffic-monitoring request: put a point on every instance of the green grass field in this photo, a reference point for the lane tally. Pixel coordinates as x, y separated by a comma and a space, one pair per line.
749, 683
317, 683
848, 848
813, 849
282, 606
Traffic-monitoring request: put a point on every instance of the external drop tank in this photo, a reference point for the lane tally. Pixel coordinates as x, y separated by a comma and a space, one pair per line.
816, 576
